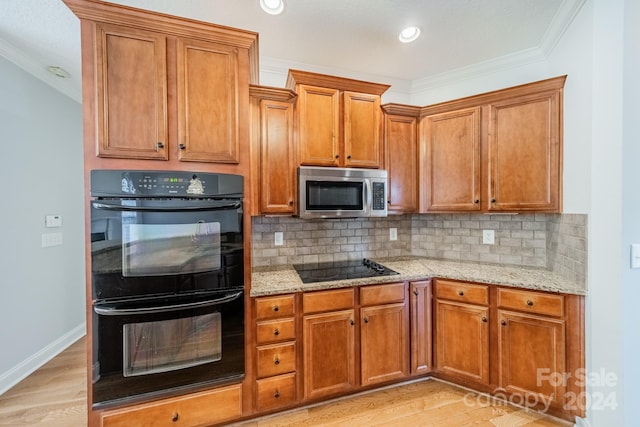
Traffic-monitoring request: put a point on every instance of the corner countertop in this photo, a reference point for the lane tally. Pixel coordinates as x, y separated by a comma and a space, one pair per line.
283, 279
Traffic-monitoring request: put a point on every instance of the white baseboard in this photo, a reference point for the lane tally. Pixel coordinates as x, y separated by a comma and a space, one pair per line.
25, 368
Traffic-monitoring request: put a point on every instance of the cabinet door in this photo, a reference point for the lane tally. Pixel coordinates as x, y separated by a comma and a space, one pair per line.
131, 93
207, 101
524, 154
421, 327
451, 156
277, 169
362, 144
401, 162
319, 114
531, 355
462, 340
329, 353
384, 348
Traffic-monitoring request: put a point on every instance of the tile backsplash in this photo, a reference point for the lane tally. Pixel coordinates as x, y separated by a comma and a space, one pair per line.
556, 242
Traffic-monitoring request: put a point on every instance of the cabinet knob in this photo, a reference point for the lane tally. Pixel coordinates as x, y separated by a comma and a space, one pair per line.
349, 156
276, 394
290, 202
476, 201
461, 293
493, 200
484, 319
176, 417
182, 146
337, 156
530, 303
366, 320
160, 145
416, 292
503, 323
352, 322
276, 332
276, 361
276, 308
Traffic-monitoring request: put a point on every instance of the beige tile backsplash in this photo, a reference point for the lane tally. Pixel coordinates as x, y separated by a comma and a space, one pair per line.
553, 241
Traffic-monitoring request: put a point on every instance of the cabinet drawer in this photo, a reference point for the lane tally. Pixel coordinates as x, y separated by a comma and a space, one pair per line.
276, 359
531, 302
275, 392
316, 302
382, 294
463, 292
273, 307
200, 409
275, 330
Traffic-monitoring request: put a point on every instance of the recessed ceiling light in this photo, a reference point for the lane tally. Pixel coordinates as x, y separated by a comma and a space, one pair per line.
272, 7
409, 34
58, 71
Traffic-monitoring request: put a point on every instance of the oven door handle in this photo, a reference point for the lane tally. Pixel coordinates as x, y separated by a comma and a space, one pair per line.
210, 207
115, 311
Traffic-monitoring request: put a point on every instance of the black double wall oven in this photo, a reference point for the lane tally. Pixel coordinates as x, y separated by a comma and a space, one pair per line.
167, 283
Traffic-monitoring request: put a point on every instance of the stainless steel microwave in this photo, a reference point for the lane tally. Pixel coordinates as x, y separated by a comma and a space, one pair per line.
326, 192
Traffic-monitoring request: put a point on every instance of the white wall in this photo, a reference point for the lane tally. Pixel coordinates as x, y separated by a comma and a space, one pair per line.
42, 300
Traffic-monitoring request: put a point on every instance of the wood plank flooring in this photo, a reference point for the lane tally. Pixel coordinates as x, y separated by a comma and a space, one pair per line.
55, 396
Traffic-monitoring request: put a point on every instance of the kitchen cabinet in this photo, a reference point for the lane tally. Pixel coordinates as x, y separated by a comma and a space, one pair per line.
198, 409
421, 327
495, 152
329, 342
158, 87
384, 333
276, 352
272, 140
401, 157
338, 120
462, 330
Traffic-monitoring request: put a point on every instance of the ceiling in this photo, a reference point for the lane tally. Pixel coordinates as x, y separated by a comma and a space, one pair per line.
355, 37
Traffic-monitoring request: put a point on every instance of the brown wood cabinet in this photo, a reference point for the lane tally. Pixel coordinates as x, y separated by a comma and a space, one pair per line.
329, 342
272, 141
420, 297
195, 410
462, 331
384, 333
494, 152
401, 157
338, 120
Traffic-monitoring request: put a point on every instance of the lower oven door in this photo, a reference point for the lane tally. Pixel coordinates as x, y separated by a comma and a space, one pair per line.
150, 347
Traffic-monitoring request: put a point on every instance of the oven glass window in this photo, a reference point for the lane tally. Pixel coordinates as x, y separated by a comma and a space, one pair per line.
163, 249
168, 345
331, 195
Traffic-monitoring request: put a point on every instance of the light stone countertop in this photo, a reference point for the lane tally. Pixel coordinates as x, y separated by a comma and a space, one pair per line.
284, 279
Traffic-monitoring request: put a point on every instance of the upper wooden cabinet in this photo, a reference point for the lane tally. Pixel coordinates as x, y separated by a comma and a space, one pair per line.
272, 142
496, 152
158, 87
338, 120
401, 157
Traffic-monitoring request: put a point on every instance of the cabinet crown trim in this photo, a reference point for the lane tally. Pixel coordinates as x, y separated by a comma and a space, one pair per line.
272, 93
296, 77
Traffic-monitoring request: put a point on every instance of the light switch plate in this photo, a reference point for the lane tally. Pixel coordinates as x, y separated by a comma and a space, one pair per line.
393, 234
635, 255
488, 237
278, 238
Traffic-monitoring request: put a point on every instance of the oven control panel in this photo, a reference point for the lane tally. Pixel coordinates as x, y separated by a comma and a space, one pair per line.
122, 183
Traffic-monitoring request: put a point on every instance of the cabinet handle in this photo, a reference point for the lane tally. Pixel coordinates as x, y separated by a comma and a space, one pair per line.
493, 200
290, 202
176, 417
476, 201
461, 293
503, 323
484, 319
337, 156
182, 146
352, 322
276, 308
160, 145
276, 361
366, 320
349, 156
276, 332
415, 292
276, 394
530, 303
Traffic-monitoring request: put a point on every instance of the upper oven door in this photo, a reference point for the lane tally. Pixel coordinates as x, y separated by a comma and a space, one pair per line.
165, 246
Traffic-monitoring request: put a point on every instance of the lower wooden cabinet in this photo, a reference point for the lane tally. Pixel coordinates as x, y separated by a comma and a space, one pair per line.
421, 341
199, 409
275, 392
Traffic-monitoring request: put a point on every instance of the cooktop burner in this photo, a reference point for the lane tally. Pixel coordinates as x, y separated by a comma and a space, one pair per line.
341, 270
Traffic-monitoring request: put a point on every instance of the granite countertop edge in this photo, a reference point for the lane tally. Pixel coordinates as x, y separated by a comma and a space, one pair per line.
283, 279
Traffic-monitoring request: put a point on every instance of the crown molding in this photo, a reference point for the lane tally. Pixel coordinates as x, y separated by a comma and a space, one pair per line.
71, 87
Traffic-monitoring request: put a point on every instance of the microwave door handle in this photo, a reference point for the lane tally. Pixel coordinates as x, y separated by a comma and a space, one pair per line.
212, 207
114, 311
368, 196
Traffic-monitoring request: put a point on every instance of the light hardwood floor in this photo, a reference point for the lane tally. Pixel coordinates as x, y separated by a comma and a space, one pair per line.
55, 396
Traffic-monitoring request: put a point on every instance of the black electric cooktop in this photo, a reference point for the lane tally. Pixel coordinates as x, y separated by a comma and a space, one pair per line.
341, 270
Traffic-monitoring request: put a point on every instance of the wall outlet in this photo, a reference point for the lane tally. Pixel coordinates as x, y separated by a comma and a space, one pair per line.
278, 238
488, 237
393, 234
51, 239
51, 221
635, 255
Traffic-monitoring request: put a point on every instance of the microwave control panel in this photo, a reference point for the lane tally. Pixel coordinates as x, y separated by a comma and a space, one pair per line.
379, 202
